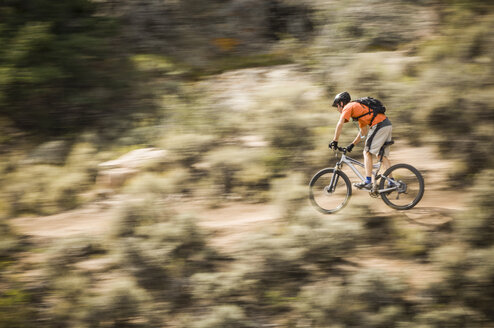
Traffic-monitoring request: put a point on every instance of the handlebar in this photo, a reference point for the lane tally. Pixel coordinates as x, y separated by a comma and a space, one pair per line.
341, 149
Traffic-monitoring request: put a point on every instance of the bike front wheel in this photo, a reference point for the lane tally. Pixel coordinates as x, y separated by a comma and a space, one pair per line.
330, 190
406, 186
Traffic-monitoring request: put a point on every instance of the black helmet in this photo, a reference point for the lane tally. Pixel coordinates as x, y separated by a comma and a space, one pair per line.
341, 97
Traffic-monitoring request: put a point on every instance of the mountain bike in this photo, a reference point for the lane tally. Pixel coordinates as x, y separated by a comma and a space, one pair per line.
401, 186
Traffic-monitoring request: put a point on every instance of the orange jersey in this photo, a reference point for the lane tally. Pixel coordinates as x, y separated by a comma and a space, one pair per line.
355, 109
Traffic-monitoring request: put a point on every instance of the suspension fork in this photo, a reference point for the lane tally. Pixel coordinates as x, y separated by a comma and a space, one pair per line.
334, 178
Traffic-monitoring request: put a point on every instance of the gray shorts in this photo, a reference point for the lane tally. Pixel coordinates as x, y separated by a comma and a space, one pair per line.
377, 139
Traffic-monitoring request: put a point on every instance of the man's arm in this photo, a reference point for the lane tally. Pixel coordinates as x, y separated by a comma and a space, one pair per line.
339, 127
361, 134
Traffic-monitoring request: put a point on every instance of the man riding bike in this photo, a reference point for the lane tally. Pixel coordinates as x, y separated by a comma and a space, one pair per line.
376, 128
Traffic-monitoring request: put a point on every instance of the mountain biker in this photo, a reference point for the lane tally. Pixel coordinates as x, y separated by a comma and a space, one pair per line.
377, 129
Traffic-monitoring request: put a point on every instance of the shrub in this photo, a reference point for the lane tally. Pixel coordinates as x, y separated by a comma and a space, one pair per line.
326, 242
290, 133
378, 226
161, 250
65, 191
229, 125
321, 303
221, 287
180, 236
163, 256
120, 304
377, 289
16, 306
44, 189
148, 184
478, 290
9, 242
224, 316
365, 27
147, 265
187, 149
83, 158
15, 309
254, 181
452, 260
159, 186
369, 298
64, 303
237, 169
410, 241
138, 212
367, 75
290, 193
49, 153
475, 225
63, 255
450, 316
278, 259
468, 277
44, 92
285, 258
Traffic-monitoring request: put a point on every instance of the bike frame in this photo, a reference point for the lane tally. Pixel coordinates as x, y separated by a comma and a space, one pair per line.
351, 163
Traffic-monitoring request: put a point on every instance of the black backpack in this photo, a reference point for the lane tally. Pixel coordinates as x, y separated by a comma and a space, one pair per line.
375, 107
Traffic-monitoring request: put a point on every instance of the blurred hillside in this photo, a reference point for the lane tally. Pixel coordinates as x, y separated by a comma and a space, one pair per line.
120, 118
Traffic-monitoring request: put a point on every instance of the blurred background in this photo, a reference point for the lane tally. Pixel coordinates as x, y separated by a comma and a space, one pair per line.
155, 157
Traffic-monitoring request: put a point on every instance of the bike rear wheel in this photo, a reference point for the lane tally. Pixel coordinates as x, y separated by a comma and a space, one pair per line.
409, 185
329, 199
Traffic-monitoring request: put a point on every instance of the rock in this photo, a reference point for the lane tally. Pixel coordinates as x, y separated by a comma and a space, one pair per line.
114, 173
254, 141
136, 159
116, 177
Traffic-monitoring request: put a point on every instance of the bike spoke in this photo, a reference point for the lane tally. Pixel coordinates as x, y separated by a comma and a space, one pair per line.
329, 193
409, 187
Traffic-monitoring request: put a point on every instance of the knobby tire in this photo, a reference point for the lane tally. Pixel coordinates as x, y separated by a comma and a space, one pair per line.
327, 202
415, 183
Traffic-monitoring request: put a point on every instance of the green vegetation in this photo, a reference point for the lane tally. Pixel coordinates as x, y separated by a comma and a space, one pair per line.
61, 68
83, 82
14, 309
160, 269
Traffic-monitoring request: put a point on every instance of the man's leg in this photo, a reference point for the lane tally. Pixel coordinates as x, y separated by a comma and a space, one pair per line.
386, 163
367, 184
368, 163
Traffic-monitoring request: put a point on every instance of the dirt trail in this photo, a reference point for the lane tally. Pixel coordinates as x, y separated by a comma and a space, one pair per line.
234, 219
230, 225
92, 220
